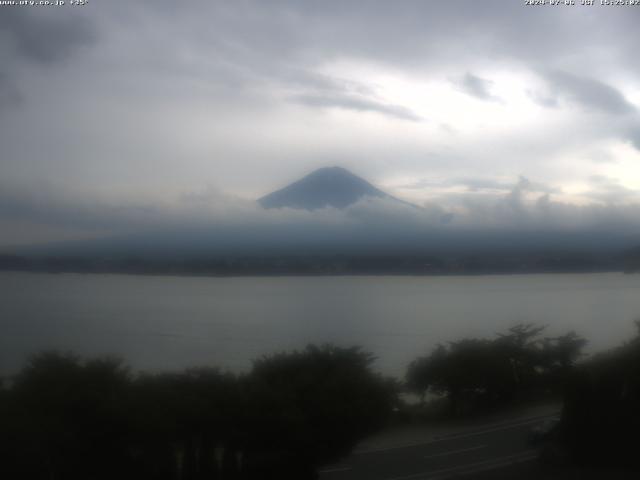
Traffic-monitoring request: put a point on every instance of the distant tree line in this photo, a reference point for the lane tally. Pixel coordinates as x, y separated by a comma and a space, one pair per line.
66, 418
355, 263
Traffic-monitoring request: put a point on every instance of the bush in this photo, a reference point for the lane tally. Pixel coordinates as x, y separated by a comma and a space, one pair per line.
69, 418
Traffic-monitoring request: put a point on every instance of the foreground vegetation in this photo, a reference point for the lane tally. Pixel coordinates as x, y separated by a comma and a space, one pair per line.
601, 414
64, 417
600, 417
67, 418
479, 374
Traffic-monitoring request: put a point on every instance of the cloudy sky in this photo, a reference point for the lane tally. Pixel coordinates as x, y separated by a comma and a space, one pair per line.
119, 113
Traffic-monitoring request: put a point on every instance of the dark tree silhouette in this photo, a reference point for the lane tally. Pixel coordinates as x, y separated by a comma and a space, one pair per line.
480, 373
316, 404
601, 414
67, 418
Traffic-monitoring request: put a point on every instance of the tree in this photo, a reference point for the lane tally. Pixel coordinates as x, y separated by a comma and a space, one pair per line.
601, 414
69, 418
314, 405
66, 418
474, 373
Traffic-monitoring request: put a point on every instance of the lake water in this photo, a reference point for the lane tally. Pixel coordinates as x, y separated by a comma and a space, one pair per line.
175, 322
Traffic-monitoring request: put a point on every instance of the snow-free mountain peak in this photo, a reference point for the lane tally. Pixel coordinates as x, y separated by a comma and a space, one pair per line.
325, 187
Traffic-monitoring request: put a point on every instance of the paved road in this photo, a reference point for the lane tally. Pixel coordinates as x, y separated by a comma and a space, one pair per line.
479, 449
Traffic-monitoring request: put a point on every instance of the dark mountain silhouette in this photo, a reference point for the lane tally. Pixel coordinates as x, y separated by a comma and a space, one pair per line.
326, 187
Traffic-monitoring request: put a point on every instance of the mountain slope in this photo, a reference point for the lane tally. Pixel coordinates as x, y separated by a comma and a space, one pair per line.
326, 187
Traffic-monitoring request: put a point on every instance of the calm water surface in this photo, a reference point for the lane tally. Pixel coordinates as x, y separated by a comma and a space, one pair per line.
174, 322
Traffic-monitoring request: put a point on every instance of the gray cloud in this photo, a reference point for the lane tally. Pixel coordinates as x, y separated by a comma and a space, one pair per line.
323, 91
415, 36
514, 211
147, 99
319, 83
477, 87
634, 137
56, 208
350, 102
46, 37
521, 209
480, 184
610, 191
9, 94
547, 100
589, 93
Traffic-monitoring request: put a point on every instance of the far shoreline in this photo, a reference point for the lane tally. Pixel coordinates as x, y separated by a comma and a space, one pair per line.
317, 275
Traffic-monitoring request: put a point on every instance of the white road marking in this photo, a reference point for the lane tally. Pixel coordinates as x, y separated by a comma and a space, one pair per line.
453, 452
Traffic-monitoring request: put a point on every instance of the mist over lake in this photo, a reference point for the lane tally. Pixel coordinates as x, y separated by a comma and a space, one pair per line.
162, 322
